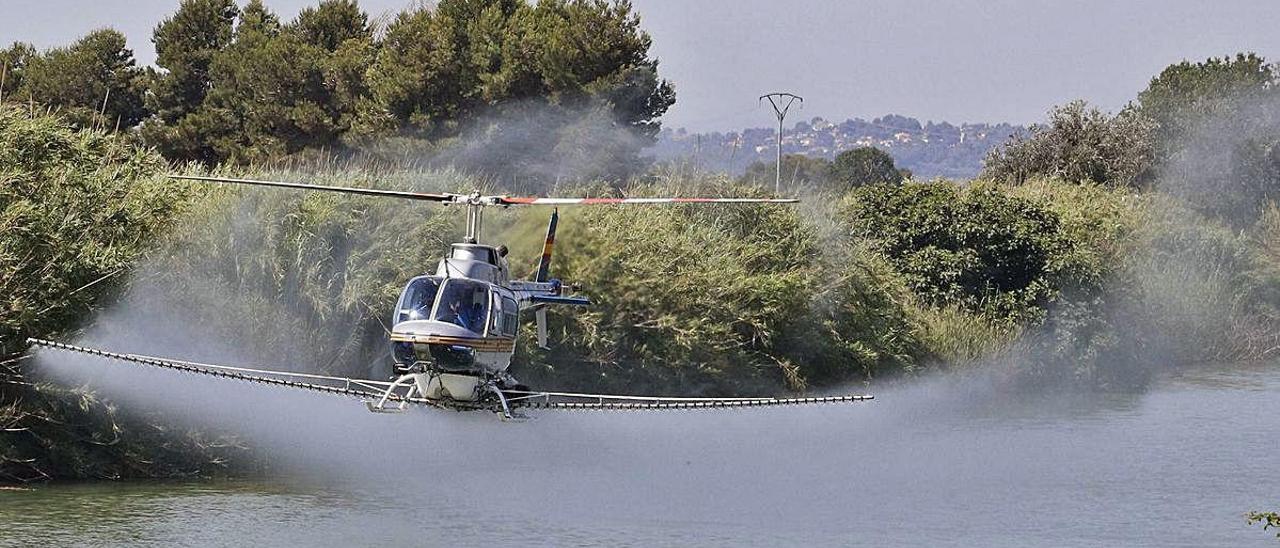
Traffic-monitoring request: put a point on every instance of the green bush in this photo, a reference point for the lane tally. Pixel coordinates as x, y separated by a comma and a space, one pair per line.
863, 166
77, 209
1079, 144
716, 300
1161, 287
979, 247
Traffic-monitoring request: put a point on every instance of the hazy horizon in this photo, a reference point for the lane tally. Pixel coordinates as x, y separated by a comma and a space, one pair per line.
965, 61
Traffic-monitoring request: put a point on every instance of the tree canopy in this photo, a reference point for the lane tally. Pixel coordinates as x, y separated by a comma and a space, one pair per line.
94, 81
1080, 143
798, 170
863, 166
556, 88
242, 86
1218, 136
1186, 94
13, 62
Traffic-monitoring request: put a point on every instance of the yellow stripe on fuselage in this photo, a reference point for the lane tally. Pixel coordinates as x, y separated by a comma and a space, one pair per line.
485, 344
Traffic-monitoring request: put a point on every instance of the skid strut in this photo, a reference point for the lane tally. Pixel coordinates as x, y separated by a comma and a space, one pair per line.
381, 405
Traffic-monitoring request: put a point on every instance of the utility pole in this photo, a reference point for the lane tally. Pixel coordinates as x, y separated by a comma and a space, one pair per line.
781, 103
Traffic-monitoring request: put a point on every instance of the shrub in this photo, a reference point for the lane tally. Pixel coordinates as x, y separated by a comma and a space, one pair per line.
863, 166
1079, 144
716, 300
78, 209
978, 248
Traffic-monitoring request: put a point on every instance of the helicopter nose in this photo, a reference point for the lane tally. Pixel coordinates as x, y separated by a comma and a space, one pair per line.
448, 346
417, 330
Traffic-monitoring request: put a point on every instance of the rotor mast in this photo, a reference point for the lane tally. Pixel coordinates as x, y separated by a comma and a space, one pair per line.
475, 222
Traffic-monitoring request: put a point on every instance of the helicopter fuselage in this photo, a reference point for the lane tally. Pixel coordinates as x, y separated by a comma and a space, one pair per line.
456, 330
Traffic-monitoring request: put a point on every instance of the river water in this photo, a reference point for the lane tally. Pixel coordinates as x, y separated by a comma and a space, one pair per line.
937, 462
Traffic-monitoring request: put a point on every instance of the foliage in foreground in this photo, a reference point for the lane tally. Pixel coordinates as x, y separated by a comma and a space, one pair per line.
77, 210
1174, 288
978, 248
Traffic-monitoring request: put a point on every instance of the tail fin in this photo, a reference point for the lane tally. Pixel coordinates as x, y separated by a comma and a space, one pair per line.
544, 265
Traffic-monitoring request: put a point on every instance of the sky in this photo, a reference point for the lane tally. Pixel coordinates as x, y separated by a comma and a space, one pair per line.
957, 60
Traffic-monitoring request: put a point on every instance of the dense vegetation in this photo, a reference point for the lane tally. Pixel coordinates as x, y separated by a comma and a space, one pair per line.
571, 78
78, 209
721, 301
1079, 143
1207, 134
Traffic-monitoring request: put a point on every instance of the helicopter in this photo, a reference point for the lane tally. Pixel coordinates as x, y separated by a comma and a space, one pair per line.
454, 331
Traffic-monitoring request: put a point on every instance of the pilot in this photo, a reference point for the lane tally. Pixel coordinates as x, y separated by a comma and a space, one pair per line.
461, 316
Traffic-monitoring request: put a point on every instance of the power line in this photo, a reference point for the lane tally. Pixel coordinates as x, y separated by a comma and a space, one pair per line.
776, 99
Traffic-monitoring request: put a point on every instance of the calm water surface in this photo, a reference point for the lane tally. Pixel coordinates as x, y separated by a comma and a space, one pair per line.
935, 463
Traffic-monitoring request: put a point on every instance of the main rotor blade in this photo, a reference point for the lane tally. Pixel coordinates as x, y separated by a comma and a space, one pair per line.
509, 200
421, 196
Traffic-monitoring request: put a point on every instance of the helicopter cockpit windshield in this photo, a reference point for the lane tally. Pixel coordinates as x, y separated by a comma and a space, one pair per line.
417, 299
464, 303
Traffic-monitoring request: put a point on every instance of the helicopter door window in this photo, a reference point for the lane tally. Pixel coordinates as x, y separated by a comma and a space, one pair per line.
495, 323
417, 299
510, 316
464, 303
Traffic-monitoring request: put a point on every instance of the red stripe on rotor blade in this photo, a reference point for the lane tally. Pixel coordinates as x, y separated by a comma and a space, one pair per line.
616, 201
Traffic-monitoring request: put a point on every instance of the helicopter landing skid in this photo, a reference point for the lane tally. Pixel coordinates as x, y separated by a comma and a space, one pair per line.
407, 389
409, 382
505, 407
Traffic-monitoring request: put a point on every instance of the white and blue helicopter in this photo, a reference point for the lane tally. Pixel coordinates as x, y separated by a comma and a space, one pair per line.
454, 332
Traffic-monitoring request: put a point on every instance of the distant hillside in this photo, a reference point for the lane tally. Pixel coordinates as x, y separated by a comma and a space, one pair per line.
928, 150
